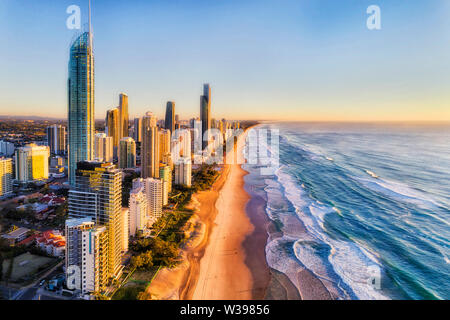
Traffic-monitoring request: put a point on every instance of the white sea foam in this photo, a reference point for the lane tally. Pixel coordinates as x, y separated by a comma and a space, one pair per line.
370, 173
401, 192
348, 260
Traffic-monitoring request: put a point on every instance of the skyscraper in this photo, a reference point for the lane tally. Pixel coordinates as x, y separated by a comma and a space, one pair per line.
81, 123
149, 147
170, 116
137, 136
153, 189
123, 114
56, 139
112, 129
97, 194
138, 209
6, 176
165, 173
103, 148
6, 148
125, 229
205, 113
164, 142
181, 144
127, 153
183, 172
87, 248
32, 163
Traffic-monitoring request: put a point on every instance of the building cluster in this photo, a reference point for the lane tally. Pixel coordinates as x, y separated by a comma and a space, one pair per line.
161, 151
97, 228
52, 242
32, 162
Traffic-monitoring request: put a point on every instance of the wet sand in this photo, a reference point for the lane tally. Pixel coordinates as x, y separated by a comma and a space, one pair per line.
227, 259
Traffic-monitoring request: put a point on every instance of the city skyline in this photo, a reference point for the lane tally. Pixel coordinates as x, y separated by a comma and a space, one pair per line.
398, 73
313, 164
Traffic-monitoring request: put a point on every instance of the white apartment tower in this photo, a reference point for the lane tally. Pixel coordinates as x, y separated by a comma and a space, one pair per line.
183, 172
103, 148
87, 249
153, 189
138, 209
181, 144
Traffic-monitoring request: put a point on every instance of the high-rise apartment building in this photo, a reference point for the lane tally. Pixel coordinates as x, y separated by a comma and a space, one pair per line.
56, 139
74, 227
103, 148
165, 174
169, 122
32, 163
6, 148
205, 114
138, 209
97, 194
181, 144
6, 176
81, 122
137, 133
164, 142
167, 159
149, 147
127, 153
112, 127
123, 114
87, 249
183, 172
153, 189
126, 229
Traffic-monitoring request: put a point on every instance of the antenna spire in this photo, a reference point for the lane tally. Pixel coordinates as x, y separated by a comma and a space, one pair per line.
90, 26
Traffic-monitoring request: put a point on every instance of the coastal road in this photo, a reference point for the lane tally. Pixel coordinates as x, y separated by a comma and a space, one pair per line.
29, 292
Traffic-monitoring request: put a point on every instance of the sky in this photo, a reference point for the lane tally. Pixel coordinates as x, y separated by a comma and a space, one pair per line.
311, 60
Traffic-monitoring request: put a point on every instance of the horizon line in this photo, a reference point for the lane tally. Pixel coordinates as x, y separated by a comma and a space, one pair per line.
43, 118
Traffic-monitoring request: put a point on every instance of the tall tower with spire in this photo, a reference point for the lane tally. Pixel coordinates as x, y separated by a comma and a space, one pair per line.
80, 84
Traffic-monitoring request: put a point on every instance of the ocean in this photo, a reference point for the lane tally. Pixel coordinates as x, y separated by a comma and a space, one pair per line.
364, 207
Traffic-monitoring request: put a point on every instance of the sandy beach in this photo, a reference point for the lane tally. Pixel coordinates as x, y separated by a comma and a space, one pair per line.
223, 272
225, 258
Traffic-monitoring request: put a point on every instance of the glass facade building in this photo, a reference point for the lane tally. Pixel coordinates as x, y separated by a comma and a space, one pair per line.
205, 114
81, 123
169, 122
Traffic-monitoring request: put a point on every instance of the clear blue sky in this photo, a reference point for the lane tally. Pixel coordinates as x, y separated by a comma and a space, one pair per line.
264, 59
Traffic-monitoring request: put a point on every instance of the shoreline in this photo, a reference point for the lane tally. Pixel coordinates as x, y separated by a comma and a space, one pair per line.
179, 283
226, 260
254, 245
236, 261
242, 258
